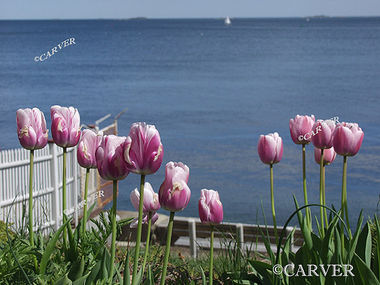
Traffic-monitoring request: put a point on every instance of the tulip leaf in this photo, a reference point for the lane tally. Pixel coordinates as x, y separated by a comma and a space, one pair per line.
105, 265
77, 269
126, 273
354, 241
204, 282
327, 243
150, 277
50, 248
81, 280
94, 273
366, 275
65, 280
364, 245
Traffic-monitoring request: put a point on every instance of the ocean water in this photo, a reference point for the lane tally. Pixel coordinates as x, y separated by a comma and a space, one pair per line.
211, 90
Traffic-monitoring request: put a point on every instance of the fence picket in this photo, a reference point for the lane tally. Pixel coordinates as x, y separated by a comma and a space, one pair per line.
14, 185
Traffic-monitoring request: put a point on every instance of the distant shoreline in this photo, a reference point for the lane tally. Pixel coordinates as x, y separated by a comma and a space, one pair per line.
195, 18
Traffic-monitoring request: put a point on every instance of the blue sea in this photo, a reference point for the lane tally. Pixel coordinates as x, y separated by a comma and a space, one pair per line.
211, 90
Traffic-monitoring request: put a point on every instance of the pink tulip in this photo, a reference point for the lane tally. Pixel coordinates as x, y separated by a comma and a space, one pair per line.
270, 148
210, 207
144, 220
143, 150
88, 144
31, 128
109, 158
329, 155
322, 134
174, 194
65, 126
151, 202
348, 138
300, 128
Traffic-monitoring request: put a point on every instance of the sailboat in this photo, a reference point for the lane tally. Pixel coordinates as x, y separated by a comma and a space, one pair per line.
227, 21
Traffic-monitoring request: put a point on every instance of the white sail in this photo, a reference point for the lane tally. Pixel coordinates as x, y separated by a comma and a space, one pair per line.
227, 21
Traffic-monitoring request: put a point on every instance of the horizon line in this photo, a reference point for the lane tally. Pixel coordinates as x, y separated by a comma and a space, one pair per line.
188, 18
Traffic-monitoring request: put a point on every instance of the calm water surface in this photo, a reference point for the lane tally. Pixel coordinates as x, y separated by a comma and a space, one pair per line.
211, 90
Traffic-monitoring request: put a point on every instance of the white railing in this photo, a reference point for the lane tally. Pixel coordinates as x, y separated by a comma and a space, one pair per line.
47, 186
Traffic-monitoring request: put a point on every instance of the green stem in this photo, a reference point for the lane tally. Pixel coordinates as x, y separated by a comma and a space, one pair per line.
324, 195
308, 213
167, 250
139, 229
321, 192
344, 194
272, 202
211, 277
64, 196
113, 221
31, 238
147, 241
85, 201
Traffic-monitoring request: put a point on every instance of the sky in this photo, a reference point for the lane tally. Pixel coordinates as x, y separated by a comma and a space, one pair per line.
121, 9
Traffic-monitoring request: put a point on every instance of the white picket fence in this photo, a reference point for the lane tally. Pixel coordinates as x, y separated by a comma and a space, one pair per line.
47, 186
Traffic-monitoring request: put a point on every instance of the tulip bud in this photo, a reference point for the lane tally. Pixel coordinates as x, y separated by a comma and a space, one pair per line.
88, 144
348, 138
323, 133
300, 128
31, 128
329, 155
210, 207
65, 126
150, 202
143, 149
109, 158
174, 194
270, 148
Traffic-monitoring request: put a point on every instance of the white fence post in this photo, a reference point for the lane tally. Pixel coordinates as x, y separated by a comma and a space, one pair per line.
193, 238
55, 184
240, 232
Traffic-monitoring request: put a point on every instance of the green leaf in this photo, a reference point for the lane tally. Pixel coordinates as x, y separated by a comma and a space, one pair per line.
94, 273
267, 244
77, 269
354, 241
306, 234
264, 269
150, 277
117, 269
327, 249
126, 273
365, 273
105, 265
63, 281
139, 276
81, 280
364, 246
204, 282
338, 247
50, 248
73, 250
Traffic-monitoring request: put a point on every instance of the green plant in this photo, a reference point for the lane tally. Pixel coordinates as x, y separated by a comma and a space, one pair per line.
334, 247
